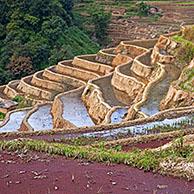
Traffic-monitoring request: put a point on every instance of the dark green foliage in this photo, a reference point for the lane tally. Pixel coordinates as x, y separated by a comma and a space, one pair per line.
41, 30
143, 8
101, 21
19, 66
18, 99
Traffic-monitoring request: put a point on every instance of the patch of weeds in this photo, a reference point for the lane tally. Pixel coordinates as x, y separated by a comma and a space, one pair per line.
188, 33
117, 148
78, 141
185, 51
18, 99
2, 116
180, 149
187, 80
22, 102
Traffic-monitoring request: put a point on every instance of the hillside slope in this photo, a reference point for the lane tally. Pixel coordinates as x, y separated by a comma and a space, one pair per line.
36, 34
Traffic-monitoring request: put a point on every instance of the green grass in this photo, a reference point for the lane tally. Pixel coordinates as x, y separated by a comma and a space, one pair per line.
18, 99
185, 53
185, 2
79, 141
146, 159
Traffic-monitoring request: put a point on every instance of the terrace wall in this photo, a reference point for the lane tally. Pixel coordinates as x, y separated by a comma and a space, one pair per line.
75, 72
88, 62
127, 88
161, 50
159, 75
177, 97
9, 91
95, 103
57, 111
27, 88
57, 77
129, 50
142, 43
121, 59
142, 65
50, 85
106, 56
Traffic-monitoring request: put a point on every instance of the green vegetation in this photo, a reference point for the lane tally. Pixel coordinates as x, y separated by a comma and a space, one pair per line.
179, 125
2, 116
143, 8
95, 16
36, 34
78, 141
93, 19
187, 81
101, 21
146, 159
22, 102
18, 99
185, 52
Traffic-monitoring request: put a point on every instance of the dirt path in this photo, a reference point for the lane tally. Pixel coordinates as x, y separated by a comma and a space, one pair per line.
39, 174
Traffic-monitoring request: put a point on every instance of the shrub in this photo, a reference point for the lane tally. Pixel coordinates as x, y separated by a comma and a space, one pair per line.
18, 99
22, 102
2, 116
143, 8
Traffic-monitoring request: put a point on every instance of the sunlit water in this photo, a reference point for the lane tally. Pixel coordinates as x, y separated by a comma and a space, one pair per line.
14, 122
158, 92
41, 119
118, 115
75, 111
143, 128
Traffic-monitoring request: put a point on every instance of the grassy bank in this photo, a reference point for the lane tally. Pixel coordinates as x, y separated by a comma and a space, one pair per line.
149, 160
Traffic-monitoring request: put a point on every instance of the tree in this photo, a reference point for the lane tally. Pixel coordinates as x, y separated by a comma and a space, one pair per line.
20, 66
53, 28
33, 34
101, 21
67, 5
2, 32
143, 8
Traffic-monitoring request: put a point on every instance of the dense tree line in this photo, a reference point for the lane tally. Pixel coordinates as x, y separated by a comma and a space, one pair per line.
36, 34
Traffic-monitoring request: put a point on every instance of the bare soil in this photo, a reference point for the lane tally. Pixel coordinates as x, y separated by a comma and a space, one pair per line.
150, 144
37, 173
